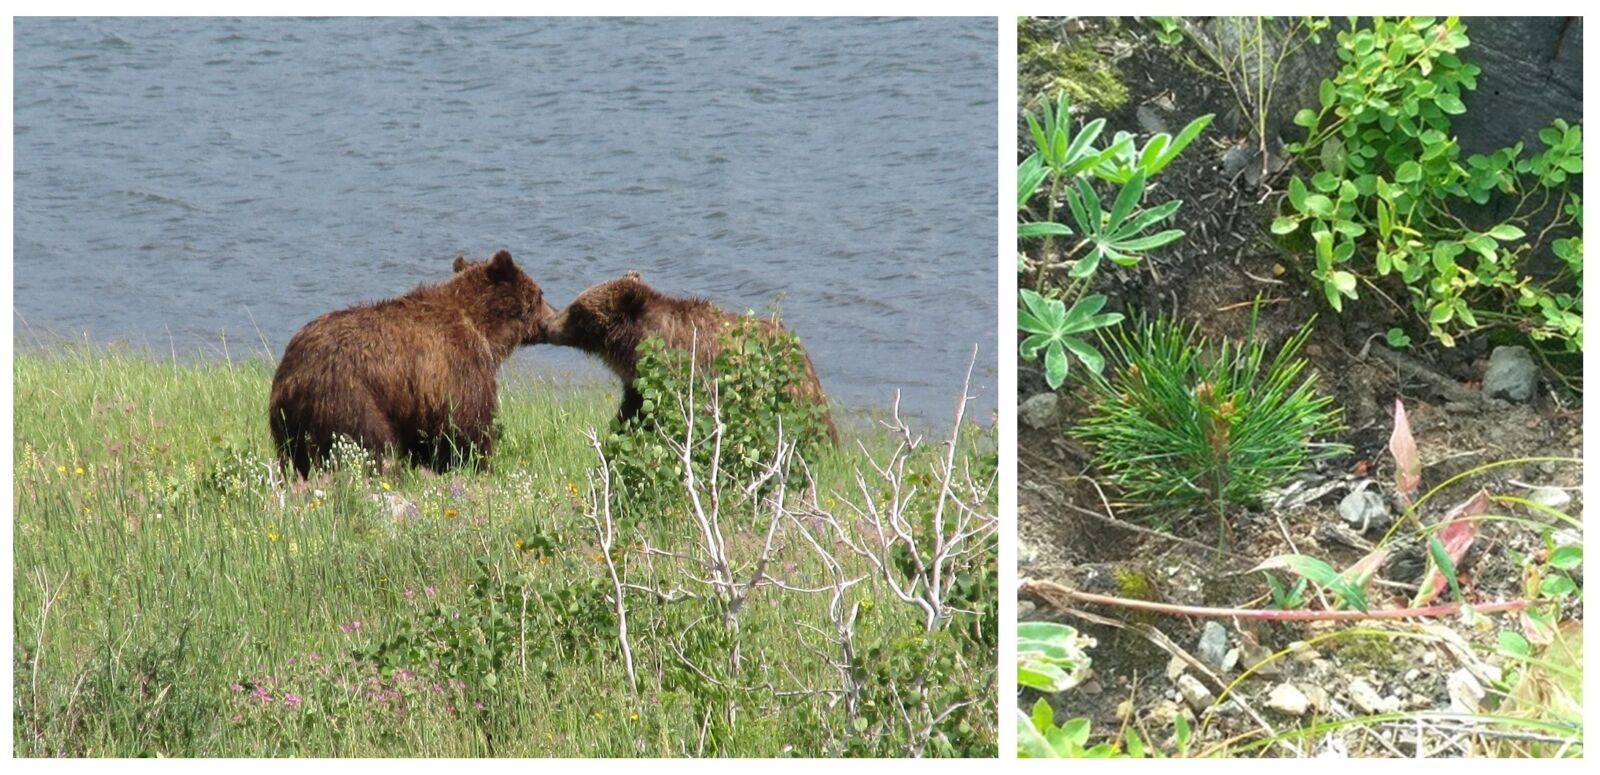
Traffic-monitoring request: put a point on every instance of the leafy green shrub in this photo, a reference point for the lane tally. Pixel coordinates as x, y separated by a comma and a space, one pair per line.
751, 375
508, 622
1387, 173
1179, 428
1070, 162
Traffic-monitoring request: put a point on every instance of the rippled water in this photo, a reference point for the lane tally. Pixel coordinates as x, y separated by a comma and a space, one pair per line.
178, 180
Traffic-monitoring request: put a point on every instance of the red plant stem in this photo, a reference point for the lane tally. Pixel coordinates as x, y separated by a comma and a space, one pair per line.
1055, 593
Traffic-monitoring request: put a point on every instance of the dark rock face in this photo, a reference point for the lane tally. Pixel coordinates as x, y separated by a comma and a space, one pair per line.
1532, 74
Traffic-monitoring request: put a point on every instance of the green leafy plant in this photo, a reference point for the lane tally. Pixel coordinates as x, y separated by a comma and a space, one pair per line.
1040, 737
751, 373
1056, 330
1386, 172
1180, 428
1051, 656
1071, 164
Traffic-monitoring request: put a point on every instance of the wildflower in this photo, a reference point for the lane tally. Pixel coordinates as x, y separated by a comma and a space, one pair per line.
410, 593
78, 471
61, 469
450, 513
262, 694
430, 590
384, 485
351, 627
599, 716
313, 657
272, 535
572, 487
235, 687
633, 716
291, 699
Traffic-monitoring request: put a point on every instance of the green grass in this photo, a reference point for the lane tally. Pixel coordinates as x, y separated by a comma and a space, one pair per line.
160, 580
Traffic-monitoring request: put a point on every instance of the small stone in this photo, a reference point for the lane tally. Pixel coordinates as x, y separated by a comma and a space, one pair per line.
1230, 660
1213, 644
1412, 675
1040, 411
1306, 656
1287, 699
1195, 694
1149, 120
1364, 510
1513, 375
1124, 709
1460, 407
1428, 658
1316, 695
1466, 694
1176, 667
1550, 496
1368, 700
1547, 467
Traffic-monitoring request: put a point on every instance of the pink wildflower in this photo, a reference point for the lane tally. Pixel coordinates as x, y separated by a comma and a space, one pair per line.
291, 699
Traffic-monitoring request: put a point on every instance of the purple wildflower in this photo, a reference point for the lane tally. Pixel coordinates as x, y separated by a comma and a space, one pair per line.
351, 627
262, 694
291, 699
431, 590
235, 687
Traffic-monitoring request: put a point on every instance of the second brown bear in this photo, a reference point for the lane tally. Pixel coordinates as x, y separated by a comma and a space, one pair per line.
610, 319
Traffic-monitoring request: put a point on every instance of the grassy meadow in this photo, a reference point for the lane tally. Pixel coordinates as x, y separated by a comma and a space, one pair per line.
172, 598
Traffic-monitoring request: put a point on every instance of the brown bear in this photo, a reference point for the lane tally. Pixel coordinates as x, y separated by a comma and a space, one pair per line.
413, 375
610, 319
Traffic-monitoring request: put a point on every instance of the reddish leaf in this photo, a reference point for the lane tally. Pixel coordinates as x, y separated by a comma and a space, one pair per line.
1407, 466
1457, 534
1360, 574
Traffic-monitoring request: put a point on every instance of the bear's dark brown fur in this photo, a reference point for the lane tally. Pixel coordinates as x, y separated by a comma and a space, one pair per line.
414, 375
610, 319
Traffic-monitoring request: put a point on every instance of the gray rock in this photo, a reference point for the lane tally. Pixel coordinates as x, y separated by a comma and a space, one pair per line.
1364, 510
1513, 375
1554, 497
1368, 700
1040, 411
1213, 645
1195, 694
1317, 695
1149, 120
1287, 699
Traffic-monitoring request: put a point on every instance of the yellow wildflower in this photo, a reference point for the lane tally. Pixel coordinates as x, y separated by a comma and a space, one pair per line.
272, 535
78, 471
61, 469
450, 513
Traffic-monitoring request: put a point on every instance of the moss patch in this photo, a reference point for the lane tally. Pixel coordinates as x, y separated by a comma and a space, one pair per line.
1047, 65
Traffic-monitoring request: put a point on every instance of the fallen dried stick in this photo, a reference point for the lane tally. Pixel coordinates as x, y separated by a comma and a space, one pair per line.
1063, 597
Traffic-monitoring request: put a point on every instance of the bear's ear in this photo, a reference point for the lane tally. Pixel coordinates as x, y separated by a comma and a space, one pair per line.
459, 264
632, 274
630, 299
501, 267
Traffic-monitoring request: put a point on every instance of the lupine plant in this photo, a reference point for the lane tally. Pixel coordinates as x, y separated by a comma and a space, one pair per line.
1055, 319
